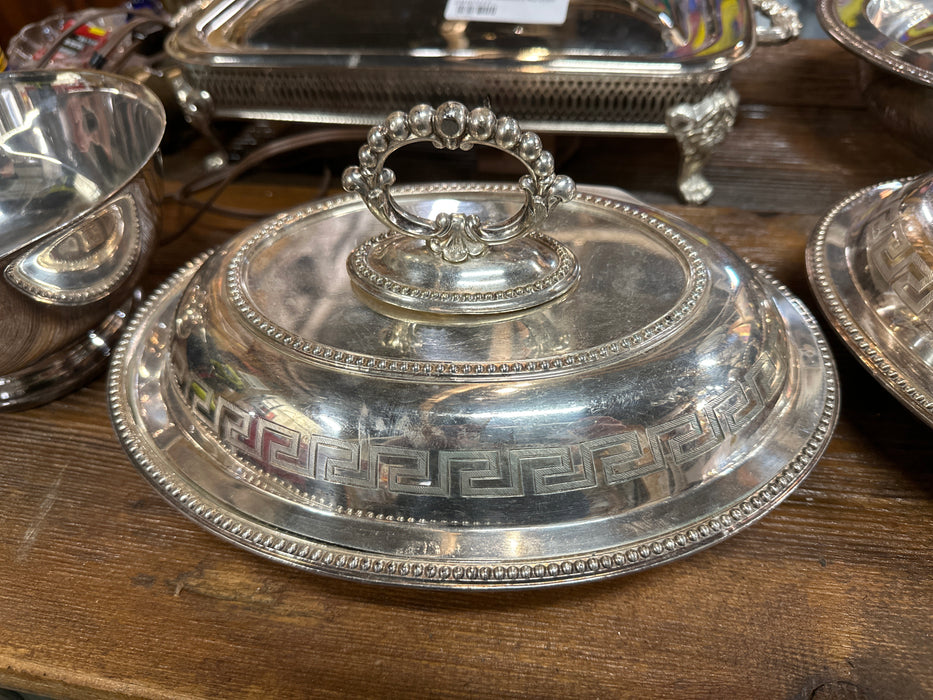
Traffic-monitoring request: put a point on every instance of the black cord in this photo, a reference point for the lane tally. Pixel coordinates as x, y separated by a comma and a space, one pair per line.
96, 15
219, 179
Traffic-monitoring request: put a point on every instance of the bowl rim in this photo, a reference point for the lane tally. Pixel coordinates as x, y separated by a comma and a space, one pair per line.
92, 80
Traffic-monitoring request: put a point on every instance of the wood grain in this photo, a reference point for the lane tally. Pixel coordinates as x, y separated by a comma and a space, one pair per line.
106, 591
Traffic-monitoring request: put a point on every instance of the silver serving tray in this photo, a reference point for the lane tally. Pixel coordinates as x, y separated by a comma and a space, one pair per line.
895, 35
644, 67
870, 261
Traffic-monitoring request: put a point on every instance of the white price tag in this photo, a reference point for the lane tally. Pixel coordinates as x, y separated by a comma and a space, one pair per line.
519, 11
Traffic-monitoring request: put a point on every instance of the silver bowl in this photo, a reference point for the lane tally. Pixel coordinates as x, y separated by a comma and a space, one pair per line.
458, 392
80, 197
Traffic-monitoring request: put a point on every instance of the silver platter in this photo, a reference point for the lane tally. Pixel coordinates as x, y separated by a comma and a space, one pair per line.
869, 261
671, 398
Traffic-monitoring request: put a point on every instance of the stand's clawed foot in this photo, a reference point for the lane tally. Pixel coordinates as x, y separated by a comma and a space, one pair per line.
698, 129
694, 189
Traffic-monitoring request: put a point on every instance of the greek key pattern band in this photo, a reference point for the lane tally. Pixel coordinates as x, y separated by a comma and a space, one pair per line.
630, 454
903, 269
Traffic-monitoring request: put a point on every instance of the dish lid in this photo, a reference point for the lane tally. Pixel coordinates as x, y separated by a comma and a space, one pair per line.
870, 261
481, 397
896, 35
603, 37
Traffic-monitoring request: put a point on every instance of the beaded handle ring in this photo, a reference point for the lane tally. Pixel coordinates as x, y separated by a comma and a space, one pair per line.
457, 237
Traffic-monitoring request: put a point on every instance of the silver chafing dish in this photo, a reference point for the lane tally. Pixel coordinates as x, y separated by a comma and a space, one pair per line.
643, 67
80, 198
870, 261
481, 386
894, 39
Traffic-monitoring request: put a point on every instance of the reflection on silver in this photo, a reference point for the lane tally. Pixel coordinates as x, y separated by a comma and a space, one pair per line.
613, 67
871, 262
899, 19
80, 193
86, 262
672, 397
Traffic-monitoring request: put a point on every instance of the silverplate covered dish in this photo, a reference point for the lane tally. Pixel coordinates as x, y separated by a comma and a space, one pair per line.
870, 261
643, 67
80, 206
472, 385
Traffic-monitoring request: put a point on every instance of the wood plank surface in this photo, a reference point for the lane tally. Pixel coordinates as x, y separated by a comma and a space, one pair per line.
107, 591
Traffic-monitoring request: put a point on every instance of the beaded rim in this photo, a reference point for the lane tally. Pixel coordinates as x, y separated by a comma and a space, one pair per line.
412, 297
121, 209
330, 356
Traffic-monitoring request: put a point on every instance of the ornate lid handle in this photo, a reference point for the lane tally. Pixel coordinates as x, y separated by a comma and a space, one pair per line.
457, 237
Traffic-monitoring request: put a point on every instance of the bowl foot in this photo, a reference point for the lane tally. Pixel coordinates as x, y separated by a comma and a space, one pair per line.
67, 369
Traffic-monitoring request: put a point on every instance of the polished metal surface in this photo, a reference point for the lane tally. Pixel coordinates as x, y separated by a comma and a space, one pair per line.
672, 397
80, 191
612, 67
870, 261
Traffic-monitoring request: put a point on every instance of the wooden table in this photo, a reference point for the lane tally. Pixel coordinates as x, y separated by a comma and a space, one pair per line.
107, 591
